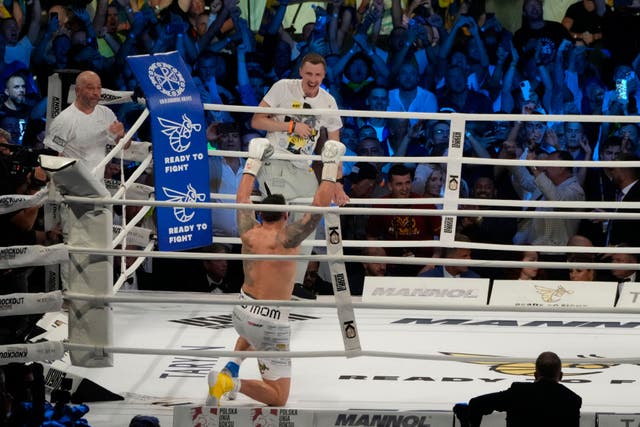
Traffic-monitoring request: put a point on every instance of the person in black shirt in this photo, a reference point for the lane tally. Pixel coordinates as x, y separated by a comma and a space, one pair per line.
544, 402
537, 36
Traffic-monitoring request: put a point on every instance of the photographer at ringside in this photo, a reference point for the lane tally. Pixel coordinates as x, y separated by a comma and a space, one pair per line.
22, 385
20, 174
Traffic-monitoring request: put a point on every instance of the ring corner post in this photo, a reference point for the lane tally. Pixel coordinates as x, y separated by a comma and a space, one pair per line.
86, 226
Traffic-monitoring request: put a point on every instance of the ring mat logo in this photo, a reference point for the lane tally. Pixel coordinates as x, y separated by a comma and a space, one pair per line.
224, 320
529, 368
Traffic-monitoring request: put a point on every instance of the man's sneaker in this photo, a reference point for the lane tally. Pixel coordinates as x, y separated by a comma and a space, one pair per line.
219, 384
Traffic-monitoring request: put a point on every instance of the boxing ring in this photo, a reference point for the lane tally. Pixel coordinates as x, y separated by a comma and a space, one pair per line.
463, 347
416, 359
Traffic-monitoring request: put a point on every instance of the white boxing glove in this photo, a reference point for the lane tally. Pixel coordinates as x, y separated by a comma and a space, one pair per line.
259, 149
331, 154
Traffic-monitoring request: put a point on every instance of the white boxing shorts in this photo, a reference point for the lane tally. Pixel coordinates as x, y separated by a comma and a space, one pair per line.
267, 329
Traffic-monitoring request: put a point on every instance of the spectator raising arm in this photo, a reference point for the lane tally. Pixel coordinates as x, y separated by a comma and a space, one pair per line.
34, 22
379, 66
223, 15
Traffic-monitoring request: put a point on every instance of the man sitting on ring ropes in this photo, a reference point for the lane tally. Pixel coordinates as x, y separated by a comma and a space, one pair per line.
266, 328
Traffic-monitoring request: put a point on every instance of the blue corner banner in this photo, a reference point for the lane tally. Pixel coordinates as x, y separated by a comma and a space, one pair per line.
180, 158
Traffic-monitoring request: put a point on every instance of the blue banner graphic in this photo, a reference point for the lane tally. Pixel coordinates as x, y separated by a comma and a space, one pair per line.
180, 156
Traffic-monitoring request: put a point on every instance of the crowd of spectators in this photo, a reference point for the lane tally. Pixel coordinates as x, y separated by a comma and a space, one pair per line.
440, 56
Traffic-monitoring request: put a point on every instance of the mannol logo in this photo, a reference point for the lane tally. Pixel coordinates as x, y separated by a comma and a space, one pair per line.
376, 420
422, 292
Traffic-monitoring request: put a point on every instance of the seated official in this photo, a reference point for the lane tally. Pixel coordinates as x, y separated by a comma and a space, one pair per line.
544, 402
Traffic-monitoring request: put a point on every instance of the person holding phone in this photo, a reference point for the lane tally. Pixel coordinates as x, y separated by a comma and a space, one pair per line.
624, 98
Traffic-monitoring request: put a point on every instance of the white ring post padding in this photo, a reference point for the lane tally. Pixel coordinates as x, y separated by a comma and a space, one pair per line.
30, 303
93, 274
23, 353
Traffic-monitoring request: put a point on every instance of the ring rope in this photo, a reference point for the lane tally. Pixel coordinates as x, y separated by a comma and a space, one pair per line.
337, 353
418, 306
386, 211
130, 225
53, 350
428, 116
371, 259
121, 143
132, 268
461, 201
462, 245
134, 176
441, 159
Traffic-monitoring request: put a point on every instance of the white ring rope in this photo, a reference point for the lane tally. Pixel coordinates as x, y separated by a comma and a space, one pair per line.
121, 143
376, 259
130, 225
389, 211
346, 210
134, 176
132, 268
468, 117
417, 305
338, 353
440, 159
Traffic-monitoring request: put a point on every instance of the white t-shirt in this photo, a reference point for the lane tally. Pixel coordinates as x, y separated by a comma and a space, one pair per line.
287, 93
424, 102
81, 136
225, 222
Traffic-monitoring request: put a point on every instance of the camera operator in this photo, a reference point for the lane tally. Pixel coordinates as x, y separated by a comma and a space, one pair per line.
23, 397
20, 175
